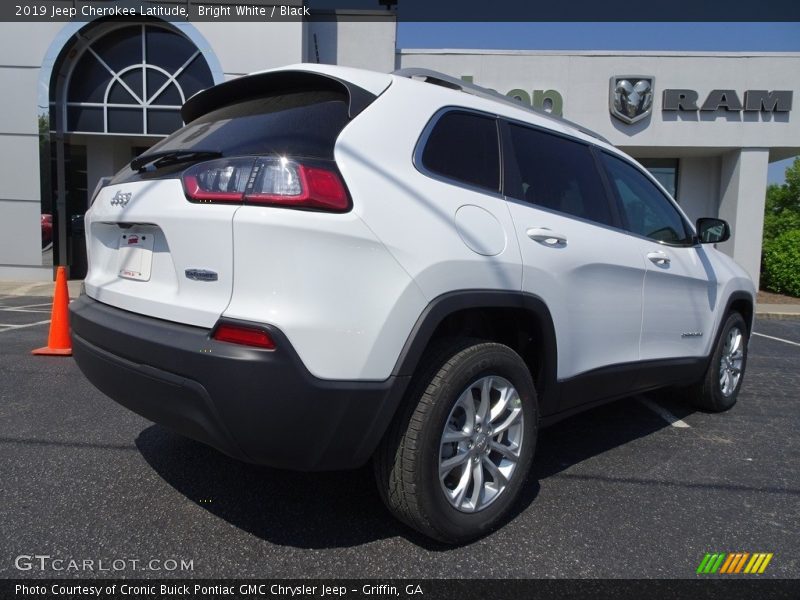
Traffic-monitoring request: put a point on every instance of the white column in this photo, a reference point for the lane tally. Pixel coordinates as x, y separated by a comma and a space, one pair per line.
100, 160
698, 186
743, 186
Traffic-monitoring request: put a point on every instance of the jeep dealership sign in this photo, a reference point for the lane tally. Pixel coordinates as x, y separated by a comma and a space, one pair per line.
631, 99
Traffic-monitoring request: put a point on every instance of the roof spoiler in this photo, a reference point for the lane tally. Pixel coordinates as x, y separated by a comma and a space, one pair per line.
252, 86
440, 79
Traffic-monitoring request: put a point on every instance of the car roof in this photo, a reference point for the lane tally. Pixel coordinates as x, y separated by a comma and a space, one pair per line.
439, 88
446, 81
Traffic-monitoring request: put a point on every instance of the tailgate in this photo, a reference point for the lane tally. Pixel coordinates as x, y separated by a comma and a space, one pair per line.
154, 253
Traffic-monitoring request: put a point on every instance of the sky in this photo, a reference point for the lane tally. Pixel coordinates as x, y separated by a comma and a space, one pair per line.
710, 37
732, 37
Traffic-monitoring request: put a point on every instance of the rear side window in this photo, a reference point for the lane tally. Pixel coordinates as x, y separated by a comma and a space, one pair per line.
646, 210
559, 174
300, 124
464, 147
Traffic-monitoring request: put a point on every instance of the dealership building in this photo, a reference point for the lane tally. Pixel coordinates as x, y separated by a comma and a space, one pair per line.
81, 99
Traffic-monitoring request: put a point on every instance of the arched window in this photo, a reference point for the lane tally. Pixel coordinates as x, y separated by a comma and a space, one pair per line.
133, 80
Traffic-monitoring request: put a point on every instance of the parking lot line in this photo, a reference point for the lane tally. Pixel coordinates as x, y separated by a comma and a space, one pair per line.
777, 339
662, 412
25, 307
12, 327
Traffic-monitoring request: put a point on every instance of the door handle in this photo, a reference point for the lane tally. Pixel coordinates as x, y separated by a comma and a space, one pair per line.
546, 237
659, 258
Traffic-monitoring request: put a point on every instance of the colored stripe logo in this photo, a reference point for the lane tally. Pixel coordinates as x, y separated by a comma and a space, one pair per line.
734, 562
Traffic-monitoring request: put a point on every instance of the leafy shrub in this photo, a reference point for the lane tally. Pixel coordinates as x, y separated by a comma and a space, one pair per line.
781, 263
776, 224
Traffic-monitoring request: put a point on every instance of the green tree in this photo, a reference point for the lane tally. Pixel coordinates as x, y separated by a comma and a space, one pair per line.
782, 263
780, 254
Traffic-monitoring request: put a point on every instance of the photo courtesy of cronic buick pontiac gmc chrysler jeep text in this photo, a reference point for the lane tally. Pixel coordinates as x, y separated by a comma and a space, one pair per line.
328, 266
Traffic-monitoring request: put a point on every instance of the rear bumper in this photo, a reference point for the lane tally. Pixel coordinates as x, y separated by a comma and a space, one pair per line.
256, 405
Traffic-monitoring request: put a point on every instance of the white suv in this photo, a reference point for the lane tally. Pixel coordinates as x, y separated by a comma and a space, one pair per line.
328, 265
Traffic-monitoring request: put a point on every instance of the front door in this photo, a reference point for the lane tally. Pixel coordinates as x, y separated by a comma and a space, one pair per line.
680, 293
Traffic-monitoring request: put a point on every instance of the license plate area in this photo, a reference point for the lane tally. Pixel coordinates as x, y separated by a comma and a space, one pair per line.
136, 255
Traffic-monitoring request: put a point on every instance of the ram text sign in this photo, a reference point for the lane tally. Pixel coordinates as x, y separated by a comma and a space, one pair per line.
754, 100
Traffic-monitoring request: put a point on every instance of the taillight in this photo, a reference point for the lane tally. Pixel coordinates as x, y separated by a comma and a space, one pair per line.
218, 181
243, 335
273, 181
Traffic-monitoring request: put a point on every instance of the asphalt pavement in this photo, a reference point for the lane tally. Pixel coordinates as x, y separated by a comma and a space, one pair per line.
640, 488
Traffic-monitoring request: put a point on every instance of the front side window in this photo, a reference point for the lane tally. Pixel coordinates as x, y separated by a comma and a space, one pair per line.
557, 173
646, 210
665, 171
464, 147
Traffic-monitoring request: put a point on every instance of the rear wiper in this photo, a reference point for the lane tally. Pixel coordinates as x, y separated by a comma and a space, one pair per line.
166, 157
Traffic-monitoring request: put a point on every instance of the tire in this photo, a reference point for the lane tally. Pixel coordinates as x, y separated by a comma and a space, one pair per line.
719, 388
414, 452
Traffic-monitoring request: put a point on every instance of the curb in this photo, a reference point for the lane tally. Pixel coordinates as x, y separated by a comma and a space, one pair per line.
778, 315
768, 310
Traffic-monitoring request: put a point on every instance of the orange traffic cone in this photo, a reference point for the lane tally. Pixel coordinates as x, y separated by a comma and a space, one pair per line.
58, 342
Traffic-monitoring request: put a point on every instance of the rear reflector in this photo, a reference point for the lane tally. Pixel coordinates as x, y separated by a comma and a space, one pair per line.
274, 181
245, 336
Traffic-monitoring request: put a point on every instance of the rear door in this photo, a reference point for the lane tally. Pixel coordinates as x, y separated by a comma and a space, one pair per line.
589, 273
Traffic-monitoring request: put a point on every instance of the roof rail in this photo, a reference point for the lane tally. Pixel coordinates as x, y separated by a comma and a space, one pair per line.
437, 78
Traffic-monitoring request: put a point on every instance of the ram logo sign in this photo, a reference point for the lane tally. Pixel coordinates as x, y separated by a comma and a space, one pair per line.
631, 97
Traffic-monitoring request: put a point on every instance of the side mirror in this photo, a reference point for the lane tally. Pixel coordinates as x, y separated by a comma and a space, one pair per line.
712, 231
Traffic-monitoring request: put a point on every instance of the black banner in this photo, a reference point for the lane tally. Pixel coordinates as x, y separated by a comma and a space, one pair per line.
404, 10
733, 588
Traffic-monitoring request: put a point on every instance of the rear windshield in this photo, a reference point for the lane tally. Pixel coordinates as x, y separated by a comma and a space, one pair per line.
300, 124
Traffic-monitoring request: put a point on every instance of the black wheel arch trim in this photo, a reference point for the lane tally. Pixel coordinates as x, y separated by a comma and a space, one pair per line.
549, 388
749, 319
447, 304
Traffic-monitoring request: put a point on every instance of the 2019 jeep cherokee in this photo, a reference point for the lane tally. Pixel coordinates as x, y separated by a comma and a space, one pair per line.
328, 265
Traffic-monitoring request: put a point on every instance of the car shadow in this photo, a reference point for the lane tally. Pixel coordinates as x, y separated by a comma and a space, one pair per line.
343, 508
596, 431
